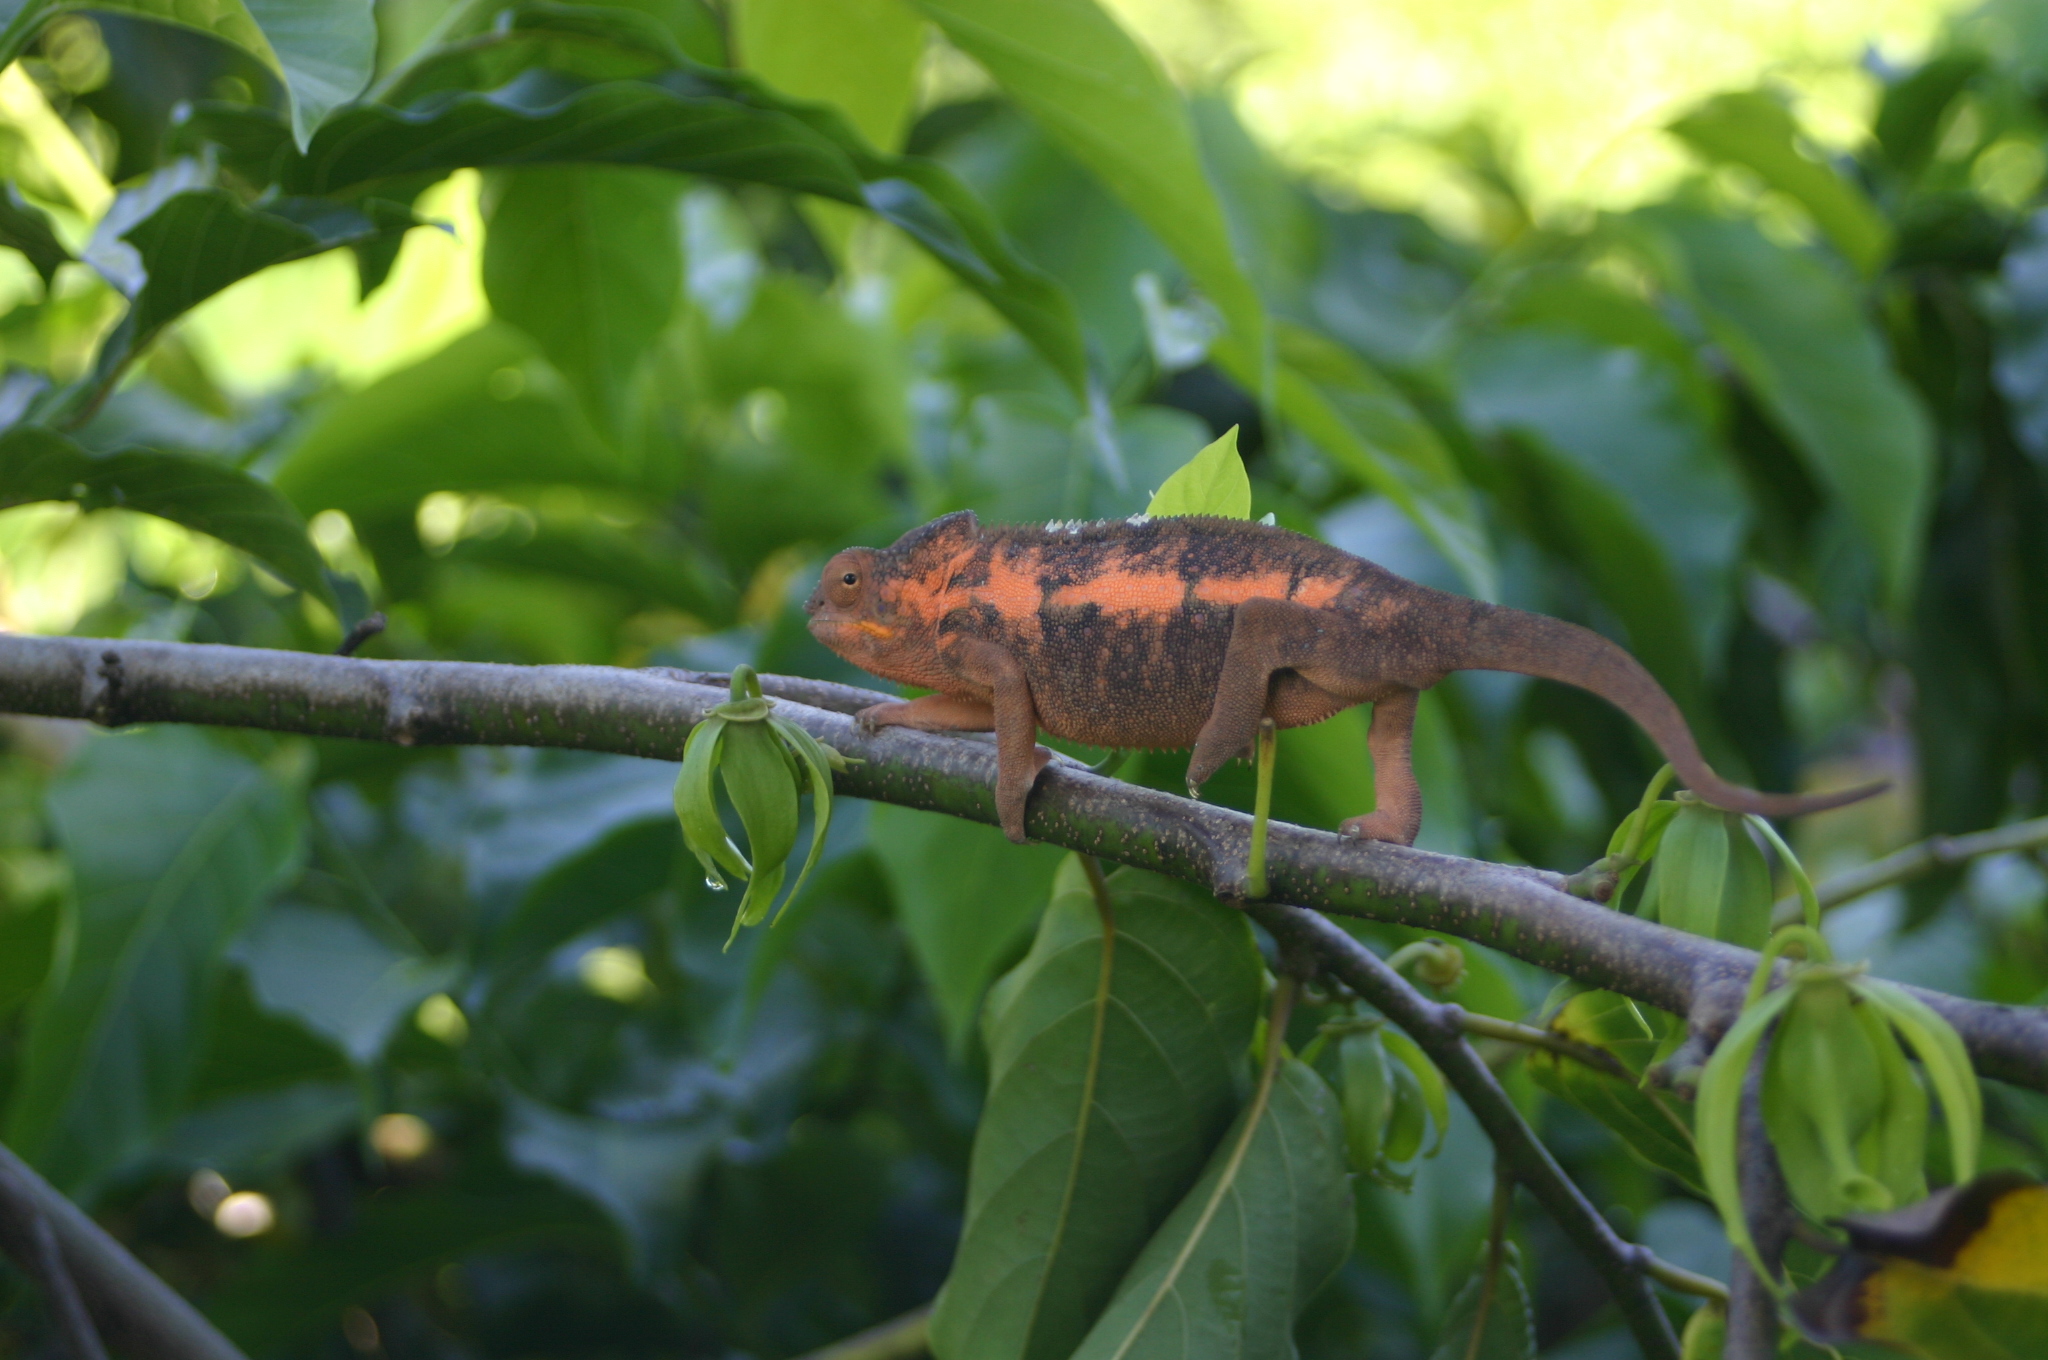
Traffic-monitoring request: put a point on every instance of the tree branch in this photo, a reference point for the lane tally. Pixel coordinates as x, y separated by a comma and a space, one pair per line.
136, 1311
1438, 1029
1922, 857
641, 713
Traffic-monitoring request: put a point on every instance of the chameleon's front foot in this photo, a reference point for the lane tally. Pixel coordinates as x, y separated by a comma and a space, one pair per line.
1378, 826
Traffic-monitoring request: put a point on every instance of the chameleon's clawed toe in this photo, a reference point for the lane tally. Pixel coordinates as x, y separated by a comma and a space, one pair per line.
1376, 826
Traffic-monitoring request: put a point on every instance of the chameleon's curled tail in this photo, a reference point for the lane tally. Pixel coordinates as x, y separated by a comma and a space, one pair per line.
1535, 644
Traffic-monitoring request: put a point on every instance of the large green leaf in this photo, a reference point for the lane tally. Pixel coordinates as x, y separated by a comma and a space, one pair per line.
1269, 1221
858, 55
588, 261
1491, 1318
1113, 1065
1649, 1124
176, 241
38, 464
1753, 130
323, 50
965, 896
332, 975
481, 415
174, 843
694, 119
1795, 331
1101, 96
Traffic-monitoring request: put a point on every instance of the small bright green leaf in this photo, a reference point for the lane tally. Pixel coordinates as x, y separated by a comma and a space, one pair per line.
1102, 1106
1947, 1063
1268, 1222
1097, 93
1436, 1097
1213, 482
174, 845
1367, 1088
1798, 335
1650, 1126
38, 464
965, 896
1754, 130
1507, 1331
588, 261
860, 55
697, 805
1709, 878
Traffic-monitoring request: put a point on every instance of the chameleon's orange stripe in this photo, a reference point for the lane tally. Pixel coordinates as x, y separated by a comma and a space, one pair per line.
1265, 585
1123, 593
929, 597
1013, 588
1318, 592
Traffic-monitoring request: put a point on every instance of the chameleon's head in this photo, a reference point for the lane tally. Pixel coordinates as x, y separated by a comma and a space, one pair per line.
877, 608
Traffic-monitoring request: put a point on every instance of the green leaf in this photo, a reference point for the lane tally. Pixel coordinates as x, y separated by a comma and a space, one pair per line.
323, 50
1909, 120
1508, 1329
1754, 130
1213, 482
1435, 1096
1798, 336
1368, 428
337, 979
174, 845
588, 261
697, 805
965, 896
1112, 1073
1269, 1221
693, 119
1652, 1128
1366, 1085
860, 56
1097, 93
169, 247
480, 415
1709, 878
1947, 1063
27, 229
816, 761
762, 786
38, 464
1717, 1113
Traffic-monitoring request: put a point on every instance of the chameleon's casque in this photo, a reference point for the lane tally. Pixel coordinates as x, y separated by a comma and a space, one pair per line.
1186, 631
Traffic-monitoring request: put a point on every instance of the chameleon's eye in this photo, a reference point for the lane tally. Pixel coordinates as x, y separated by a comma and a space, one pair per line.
850, 579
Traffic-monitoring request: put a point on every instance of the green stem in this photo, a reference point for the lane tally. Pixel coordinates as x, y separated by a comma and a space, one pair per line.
1631, 849
1262, 805
1809, 900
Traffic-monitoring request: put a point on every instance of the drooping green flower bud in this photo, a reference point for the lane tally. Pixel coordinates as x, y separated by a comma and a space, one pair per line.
1709, 878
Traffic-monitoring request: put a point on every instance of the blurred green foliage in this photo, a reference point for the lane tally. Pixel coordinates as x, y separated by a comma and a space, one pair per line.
581, 333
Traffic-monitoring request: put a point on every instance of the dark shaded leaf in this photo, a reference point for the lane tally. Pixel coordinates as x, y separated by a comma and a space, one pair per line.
1109, 1082
965, 896
174, 844
26, 228
337, 979
1507, 1331
1909, 120
698, 120
1797, 334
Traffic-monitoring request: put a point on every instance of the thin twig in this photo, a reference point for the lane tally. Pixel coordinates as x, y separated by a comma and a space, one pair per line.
1923, 857
598, 708
1438, 1030
1682, 1280
365, 629
1531, 1036
897, 1339
132, 1308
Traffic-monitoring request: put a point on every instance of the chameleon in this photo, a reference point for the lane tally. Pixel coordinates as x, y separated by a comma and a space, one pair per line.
1181, 632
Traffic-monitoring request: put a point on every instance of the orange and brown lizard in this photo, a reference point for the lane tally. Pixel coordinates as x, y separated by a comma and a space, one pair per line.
1185, 631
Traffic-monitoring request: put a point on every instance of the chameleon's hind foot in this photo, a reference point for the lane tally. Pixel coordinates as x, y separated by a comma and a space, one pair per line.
1378, 826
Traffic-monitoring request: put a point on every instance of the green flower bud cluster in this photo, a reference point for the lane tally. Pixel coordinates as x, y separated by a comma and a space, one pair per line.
1845, 1112
765, 762
1709, 878
1391, 1095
